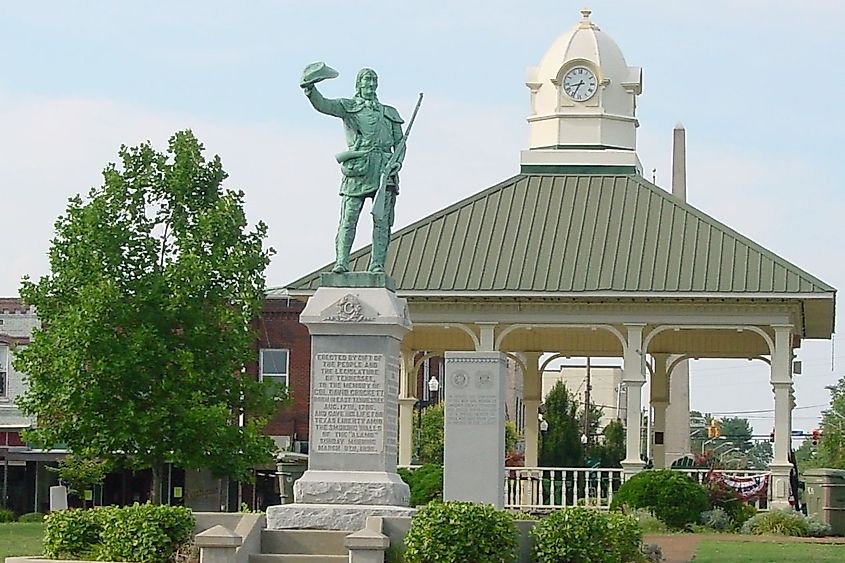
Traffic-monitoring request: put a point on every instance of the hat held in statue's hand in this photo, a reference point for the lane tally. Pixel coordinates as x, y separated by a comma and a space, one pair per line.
316, 72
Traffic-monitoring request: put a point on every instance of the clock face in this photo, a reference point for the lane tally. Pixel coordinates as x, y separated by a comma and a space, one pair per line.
579, 83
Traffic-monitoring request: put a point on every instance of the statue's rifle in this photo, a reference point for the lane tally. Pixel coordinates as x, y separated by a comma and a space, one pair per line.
398, 151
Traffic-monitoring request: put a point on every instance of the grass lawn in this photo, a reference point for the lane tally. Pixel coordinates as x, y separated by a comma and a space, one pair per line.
20, 539
712, 551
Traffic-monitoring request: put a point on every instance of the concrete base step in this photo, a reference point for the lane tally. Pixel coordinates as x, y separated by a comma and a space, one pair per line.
304, 542
297, 558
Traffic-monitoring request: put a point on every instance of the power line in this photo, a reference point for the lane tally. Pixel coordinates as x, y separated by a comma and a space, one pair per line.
759, 411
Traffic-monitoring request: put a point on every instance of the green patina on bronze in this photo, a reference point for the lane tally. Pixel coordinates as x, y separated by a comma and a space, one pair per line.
370, 165
357, 279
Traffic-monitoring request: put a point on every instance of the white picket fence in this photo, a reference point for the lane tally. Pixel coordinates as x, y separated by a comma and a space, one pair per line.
537, 489
534, 489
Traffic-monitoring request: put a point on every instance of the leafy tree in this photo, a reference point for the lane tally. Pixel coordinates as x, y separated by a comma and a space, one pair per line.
831, 448
738, 432
428, 435
594, 421
146, 315
612, 451
560, 445
81, 473
698, 430
511, 436
806, 455
760, 454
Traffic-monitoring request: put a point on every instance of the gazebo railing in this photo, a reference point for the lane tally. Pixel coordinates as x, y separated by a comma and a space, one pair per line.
538, 489
546, 488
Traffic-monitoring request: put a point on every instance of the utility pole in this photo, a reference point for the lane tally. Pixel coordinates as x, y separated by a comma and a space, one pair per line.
587, 404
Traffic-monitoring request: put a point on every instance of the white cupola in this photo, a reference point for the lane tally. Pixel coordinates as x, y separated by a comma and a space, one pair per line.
583, 106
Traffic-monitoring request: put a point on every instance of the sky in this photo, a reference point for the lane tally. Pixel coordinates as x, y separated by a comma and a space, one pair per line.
756, 83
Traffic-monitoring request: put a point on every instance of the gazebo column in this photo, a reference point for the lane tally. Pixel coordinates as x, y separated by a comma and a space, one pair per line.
407, 400
781, 380
532, 390
659, 403
633, 379
677, 438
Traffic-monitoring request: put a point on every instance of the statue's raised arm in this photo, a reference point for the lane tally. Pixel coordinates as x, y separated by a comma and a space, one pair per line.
375, 150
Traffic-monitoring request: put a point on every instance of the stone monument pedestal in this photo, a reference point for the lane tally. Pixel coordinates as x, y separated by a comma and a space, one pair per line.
356, 323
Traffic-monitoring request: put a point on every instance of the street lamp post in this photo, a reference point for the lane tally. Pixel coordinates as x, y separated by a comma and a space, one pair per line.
433, 389
544, 425
705, 442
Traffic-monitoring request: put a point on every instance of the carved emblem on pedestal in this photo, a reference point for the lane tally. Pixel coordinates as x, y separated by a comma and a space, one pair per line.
485, 380
349, 309
460, 380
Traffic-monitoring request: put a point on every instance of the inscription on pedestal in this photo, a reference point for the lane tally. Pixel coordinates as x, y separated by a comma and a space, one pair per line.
472, 409
347, 403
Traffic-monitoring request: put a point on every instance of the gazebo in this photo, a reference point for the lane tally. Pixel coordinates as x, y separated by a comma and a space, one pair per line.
579, 255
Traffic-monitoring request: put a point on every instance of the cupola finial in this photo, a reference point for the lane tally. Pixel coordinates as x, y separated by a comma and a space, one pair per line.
585, 22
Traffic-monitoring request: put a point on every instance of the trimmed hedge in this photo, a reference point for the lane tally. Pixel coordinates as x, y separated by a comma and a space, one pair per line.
144, 533
461, 532
583, 535
672, 496
786, 522
426, 483
31, 517
625, 536
72, 534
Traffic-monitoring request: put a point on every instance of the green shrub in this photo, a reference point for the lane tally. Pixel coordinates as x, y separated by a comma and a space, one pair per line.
31, 517
72, 534
648, 522
426, 483
717, 519
141, 532
722, 496
777, 522
581, 535
743, 513
816, 528
6, 515
460, 532
145, 532
672, 496
625, 536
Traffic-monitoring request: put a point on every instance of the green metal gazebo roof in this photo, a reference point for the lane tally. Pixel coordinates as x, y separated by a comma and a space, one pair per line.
582, 235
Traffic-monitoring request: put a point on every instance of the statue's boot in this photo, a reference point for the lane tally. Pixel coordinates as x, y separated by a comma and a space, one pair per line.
343, 245
381, 237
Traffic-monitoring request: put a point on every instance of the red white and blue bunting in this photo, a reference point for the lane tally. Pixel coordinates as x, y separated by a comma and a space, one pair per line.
746, 486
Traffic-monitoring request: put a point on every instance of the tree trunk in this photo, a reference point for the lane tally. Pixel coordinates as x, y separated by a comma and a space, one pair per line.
155, 493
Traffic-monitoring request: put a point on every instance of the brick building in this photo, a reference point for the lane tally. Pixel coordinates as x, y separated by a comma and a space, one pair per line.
282, 352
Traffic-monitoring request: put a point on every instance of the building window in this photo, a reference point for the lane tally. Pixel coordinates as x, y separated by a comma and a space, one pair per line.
273, 365
4, 363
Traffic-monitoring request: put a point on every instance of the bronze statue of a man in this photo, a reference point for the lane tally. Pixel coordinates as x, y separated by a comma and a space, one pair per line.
373, 134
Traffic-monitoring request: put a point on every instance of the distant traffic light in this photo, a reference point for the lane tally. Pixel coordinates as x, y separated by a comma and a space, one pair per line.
715, 429
816, 435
